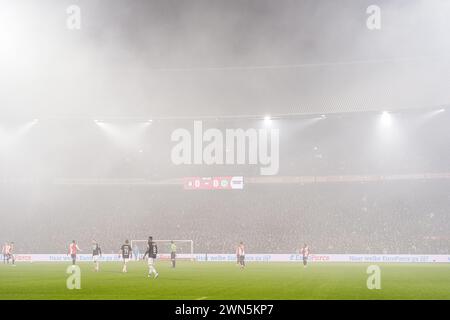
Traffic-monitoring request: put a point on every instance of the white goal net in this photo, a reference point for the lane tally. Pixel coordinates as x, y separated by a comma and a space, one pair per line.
184, 248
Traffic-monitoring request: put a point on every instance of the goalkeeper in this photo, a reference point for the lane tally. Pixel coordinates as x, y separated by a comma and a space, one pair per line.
173, 253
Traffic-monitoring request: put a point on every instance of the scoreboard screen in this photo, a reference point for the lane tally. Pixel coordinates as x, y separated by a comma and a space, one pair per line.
214, 183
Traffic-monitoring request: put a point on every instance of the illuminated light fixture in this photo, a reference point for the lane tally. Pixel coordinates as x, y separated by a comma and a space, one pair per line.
267, 120
386, 119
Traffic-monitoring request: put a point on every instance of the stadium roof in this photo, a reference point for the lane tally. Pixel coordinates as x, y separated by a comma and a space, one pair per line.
222, 58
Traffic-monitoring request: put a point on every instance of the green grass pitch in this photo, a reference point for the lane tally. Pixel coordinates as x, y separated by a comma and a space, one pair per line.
196, 280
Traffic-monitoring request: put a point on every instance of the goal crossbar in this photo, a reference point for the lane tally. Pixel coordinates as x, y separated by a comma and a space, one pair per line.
189, 242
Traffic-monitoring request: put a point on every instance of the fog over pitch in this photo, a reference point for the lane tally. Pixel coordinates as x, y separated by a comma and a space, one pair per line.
86, 118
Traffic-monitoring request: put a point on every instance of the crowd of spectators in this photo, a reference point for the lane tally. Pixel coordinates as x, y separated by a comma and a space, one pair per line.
410, 217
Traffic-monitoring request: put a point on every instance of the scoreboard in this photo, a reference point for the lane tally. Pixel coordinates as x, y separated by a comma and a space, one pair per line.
214, 183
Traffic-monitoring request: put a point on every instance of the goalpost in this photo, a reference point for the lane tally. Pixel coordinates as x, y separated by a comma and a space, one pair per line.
185, 248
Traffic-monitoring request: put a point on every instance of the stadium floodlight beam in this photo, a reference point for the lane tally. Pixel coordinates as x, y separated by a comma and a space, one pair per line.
433, 113
267, 120
9, 138
125, 134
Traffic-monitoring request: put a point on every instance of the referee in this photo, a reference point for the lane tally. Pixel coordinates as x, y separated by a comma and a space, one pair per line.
173, 253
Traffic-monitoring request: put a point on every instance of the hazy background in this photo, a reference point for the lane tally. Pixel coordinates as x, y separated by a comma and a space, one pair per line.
216, 57
63, 176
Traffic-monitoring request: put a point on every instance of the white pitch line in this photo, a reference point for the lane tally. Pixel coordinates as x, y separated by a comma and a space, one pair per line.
202, 298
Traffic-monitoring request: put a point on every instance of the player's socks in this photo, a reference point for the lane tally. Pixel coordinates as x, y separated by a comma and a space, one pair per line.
153, 270
156, 275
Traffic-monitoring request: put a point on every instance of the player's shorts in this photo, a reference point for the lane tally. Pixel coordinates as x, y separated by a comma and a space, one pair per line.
73, 256
242, 260
95, 258
151, 261
173, 255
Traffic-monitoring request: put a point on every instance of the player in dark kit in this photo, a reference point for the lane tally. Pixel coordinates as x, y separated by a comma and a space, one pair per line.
96, 254
150, 241
152, 251
126, 252
305, 254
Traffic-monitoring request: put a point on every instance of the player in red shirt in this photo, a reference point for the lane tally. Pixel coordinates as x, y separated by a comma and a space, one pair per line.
10, 254
7, 251
305, 254
73, 250
4, 249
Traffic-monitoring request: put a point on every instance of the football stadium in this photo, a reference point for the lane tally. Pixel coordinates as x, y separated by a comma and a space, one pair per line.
225, 150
